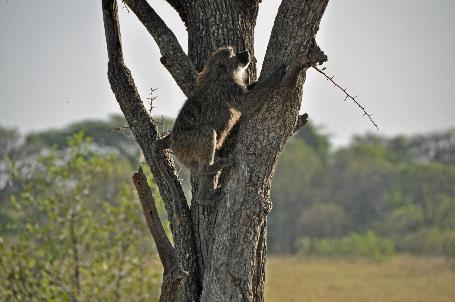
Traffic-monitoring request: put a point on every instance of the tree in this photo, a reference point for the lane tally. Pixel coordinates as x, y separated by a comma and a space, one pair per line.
76, 201
219, 249
298, 184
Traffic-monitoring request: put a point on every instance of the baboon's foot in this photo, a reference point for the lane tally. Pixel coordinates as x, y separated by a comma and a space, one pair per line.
221, 163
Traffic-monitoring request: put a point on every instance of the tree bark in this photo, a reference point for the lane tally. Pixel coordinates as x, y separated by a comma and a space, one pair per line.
221, 246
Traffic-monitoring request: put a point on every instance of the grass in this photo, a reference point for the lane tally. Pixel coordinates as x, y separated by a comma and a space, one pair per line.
402, 278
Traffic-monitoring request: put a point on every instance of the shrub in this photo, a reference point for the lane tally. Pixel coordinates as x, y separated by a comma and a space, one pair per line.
368, 245
431, 241
70, 243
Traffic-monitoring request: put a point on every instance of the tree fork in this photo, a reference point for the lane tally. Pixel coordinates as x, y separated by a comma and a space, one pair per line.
222, 245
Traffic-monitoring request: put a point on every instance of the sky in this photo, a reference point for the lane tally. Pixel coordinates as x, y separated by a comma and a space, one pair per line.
397, 56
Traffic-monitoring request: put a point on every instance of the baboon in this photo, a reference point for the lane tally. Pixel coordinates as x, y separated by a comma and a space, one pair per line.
209, 114
215, 106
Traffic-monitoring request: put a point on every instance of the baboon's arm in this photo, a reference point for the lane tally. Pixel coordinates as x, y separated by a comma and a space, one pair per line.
252, 101
283, 75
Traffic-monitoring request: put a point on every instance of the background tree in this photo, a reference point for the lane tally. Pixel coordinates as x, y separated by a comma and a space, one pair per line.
221, 247
76, 231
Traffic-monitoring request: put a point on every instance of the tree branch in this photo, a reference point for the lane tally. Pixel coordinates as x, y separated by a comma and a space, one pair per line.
301, 22
165, 250
348, 96
173, 273
180, 7
146, 134
173, 57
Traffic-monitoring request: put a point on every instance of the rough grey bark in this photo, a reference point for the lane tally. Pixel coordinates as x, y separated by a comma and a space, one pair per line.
221, 246
146, 133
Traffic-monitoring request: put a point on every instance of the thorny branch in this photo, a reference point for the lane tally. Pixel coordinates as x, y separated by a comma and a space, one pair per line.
152, 98
348, 96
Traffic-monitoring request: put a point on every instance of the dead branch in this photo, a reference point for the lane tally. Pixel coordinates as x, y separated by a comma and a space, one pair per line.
165, 250
171, 287
348, 96
173, 56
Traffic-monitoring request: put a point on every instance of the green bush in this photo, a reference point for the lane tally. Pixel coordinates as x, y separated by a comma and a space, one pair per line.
429, 241
324, 220
79, 234
448, 246
368, 245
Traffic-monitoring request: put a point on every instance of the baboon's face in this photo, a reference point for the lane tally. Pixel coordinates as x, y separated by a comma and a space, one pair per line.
227, 62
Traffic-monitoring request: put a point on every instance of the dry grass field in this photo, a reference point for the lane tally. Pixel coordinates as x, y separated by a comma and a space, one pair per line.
399, 279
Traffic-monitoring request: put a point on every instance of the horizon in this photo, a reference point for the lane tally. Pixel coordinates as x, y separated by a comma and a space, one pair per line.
319, 128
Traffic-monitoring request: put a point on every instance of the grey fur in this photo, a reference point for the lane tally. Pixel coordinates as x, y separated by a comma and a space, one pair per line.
209, 114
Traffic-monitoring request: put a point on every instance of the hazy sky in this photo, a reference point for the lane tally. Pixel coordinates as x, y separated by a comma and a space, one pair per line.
396, 55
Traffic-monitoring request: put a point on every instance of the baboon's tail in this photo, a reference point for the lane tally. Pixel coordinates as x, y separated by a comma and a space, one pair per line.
163, 143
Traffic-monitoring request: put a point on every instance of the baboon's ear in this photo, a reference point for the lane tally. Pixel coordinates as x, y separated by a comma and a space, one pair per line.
222, 67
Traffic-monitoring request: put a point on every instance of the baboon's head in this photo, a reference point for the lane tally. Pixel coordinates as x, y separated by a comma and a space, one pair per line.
225, 63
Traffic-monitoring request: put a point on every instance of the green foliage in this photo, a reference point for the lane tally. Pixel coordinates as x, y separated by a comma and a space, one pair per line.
401, 220
401, 188
324, 220
79, 232
296, 186
319, 142
368, 245
360, 176
429, 241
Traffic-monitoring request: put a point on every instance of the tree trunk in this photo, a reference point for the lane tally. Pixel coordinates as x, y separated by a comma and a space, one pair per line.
220, 247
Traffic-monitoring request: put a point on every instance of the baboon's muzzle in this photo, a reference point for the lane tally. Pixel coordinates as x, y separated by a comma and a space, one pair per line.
244, 57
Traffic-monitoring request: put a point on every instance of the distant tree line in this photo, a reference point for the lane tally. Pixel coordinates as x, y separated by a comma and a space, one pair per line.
399, 189
396, 194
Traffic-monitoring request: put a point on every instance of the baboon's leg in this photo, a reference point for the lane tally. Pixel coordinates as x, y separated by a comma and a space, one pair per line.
207, 143
208, 171
207, 154
207, 192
